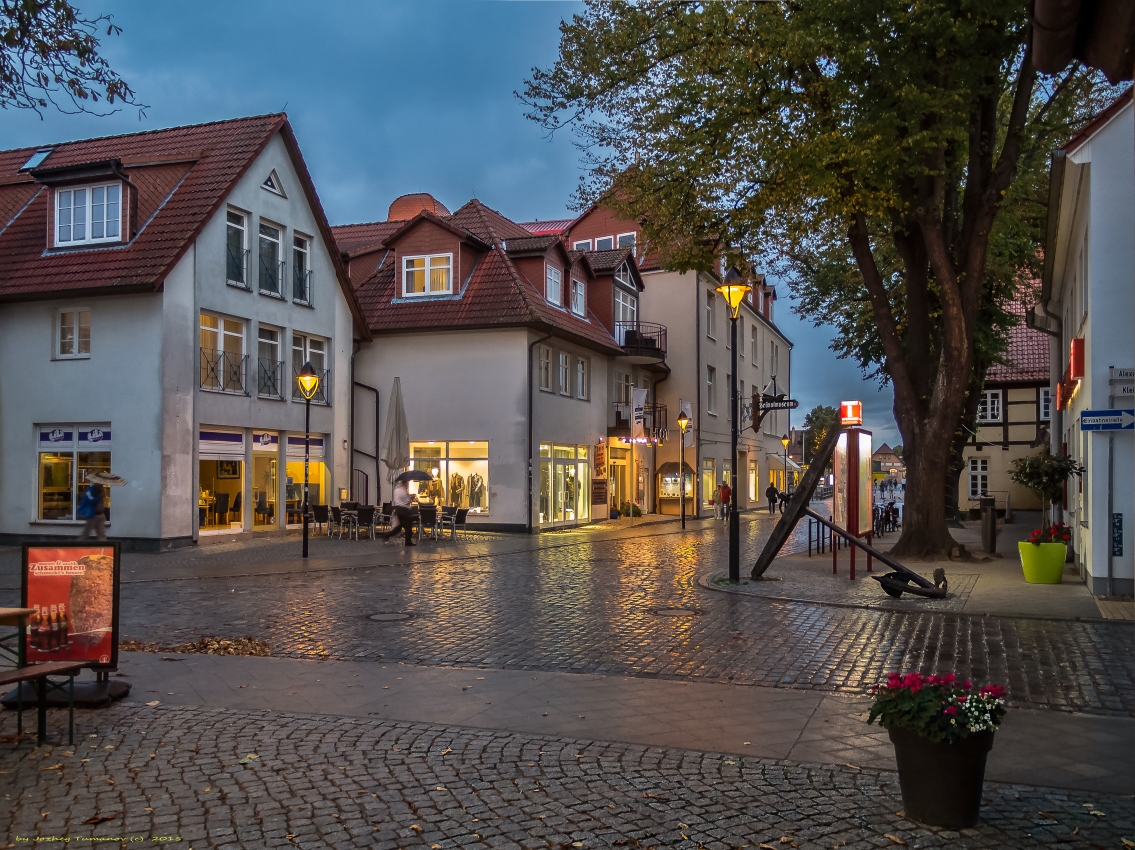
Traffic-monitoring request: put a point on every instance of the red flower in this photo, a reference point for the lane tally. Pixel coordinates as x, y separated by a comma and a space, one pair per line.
950, 709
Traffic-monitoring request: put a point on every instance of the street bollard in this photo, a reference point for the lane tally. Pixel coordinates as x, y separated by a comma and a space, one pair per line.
989, 524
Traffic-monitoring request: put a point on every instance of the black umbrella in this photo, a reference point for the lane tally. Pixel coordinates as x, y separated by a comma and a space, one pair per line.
413, 475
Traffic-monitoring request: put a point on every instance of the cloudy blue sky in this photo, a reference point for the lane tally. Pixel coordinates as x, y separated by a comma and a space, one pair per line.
386, 98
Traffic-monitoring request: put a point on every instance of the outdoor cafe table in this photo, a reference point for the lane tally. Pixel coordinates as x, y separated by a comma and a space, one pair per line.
12, 617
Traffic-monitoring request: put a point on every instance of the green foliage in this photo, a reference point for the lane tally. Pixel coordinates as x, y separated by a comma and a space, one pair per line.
630, 509
817, 423
49, 55
1045, 474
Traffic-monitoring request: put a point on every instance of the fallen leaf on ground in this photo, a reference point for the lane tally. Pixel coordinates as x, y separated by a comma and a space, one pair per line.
1045, 815
894, 839
1127, 842
249, 758
446, 751
415, 827
154, 702
730, 762
147, 809
244, 686
53, 767
1096, 813
440, 788
764, 846
207, 790
100, 818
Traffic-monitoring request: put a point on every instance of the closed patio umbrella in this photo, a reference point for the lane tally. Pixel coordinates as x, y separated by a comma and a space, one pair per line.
396, 442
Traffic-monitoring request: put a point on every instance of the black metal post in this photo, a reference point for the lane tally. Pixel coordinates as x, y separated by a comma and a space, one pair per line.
734, 519
682, 473
306, 458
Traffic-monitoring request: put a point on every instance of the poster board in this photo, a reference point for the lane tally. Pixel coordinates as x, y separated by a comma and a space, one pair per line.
839, 491
864, 481
76, 591
598, 491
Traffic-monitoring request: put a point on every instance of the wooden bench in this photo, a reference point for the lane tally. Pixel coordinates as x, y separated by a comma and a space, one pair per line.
37, 674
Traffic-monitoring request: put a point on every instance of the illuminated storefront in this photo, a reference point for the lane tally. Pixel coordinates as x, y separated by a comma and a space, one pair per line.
67, 454
459, 473
220, 483
565, 485
319, 479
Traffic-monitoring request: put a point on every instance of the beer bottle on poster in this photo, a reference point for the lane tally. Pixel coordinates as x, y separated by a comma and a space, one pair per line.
54, 645
33, 629
64, 626
44, 630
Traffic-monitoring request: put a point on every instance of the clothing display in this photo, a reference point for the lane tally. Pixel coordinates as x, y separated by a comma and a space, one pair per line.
456, 490
476, 490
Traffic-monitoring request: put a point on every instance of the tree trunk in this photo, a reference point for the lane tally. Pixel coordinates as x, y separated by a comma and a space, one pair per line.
924, 530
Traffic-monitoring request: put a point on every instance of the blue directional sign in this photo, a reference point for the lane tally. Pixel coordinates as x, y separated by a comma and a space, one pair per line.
1107, 420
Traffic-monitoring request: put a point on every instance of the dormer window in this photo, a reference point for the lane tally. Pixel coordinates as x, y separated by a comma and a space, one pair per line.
582, 245
431, 274
623, 276
90, 214
626, 240
578, 297
605, 243
553, 280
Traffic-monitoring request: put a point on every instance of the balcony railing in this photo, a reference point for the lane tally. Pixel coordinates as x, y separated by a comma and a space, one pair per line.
270, 375
653, 421
322, 394
236, 267
301, 286
223, 371
643, 342
271, 277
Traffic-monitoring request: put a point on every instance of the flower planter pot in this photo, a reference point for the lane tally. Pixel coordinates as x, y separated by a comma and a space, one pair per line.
1043, 563
940, 782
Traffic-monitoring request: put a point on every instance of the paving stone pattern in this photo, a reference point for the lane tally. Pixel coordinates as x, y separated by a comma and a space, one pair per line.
608, 607
325, 782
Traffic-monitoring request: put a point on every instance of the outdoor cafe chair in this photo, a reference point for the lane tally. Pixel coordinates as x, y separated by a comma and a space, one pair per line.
336, 521
366, 519
427, 520
454, 519
383, 518
321, 516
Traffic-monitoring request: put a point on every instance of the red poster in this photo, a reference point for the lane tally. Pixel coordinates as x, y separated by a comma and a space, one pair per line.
74, 590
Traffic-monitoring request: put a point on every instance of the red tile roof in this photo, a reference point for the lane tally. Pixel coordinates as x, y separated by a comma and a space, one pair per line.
555, 226
1026, 358
182, 175
496, 294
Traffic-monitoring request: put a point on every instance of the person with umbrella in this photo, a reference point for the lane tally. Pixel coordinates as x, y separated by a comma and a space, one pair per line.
403, 516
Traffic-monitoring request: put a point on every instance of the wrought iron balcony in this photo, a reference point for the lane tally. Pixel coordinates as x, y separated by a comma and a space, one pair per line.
270, 375
223, 371
271, 277
301, 286
236, 267
642, 342
653, 421
322, 394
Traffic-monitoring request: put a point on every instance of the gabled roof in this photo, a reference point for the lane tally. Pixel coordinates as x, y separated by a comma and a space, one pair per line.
883, 450
1026, 358
181, 175
555, 226
445, 223
494, 293
1097, 123
355, 239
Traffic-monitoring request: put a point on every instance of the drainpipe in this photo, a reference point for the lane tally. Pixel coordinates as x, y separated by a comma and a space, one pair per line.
654, 453
531, 345
697, 386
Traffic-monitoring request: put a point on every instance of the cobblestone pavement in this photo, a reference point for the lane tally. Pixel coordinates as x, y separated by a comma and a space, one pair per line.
227, 779
631, 606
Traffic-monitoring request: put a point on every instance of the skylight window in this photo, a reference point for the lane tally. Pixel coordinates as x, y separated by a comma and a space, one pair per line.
37, 159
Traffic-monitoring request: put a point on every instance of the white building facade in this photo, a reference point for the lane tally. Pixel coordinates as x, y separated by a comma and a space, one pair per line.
161, 291
1087, 306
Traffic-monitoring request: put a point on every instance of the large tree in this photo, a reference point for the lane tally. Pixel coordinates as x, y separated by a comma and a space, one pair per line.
873, 149
49, 55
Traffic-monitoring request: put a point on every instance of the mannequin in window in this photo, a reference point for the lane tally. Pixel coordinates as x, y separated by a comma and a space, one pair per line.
456, 489
436, 490
476, 490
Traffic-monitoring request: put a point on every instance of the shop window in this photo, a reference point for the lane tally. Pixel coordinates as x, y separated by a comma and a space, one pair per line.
220, 500
753, 481
708, 482
68, 454
74, 334
265, 487
458, 470
565, 485
431, 274
545, 368
90, 214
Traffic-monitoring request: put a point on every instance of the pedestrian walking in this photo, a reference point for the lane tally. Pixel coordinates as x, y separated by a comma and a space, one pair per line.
403, 517
772, 494
725, 496
92, 510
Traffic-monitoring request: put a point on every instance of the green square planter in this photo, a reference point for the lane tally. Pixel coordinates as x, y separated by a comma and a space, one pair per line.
1043, 563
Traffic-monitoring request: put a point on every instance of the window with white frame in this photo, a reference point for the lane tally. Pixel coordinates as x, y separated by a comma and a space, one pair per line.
989, 408
73, 334
710, 315
605, 243
269, 367
545, 368
582, 245
565, 374
578, 297
90, 214
753, 343
626, 240
1045, 404
270, 259
582, 379
68, 454
626, 306
623, 276
236, 248
623, 386
301, 269
553, 280
428, 274
978, 477
711, 389
222, 354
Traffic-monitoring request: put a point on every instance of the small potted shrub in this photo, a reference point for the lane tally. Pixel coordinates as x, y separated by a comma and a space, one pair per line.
1044, 553
942, 731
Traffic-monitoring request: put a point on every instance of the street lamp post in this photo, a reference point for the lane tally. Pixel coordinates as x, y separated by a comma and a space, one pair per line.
733, 289
308, 382
784, 442
683, 424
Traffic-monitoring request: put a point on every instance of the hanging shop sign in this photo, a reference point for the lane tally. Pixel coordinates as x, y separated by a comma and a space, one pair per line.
851, 413
265, 441
74, 592
600, 456
1073, 374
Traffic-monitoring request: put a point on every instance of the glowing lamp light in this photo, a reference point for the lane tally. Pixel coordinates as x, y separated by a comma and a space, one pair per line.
308, 381
851, 413
734, 289
784, 441
683, 421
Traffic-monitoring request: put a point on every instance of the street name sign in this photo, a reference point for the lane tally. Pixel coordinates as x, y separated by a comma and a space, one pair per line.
790, 404
1107, 420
